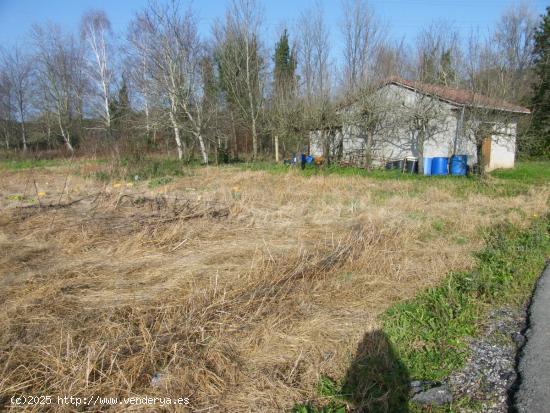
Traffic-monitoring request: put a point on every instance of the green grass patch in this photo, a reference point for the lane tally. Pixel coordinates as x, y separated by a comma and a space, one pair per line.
156, 182
530, 172
426, 337
509, 182
430, 331
156, 169
313, 170
19, 164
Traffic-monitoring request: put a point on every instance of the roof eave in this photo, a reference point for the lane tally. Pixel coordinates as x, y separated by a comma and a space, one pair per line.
458, 104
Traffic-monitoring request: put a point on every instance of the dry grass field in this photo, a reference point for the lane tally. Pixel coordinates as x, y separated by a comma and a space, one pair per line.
237, 289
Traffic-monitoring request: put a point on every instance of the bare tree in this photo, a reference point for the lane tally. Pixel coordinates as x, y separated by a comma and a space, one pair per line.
391, 59
425, 118
18, 68
139, 70
6, 106
95, 29
314, 54
172, 51
363, 36
319, 112
58, 59
439, 56
372, 121
241, 65
514, 42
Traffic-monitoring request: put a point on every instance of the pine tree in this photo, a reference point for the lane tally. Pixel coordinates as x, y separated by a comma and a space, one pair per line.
120, 108
540, 139
428, 68
447, 74
285, 67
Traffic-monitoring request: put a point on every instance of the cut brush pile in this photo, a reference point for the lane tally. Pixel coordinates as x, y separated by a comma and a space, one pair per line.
236, 289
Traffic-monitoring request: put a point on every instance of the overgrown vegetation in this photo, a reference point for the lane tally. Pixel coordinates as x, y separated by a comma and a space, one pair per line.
143, 168
429, 333
240, 288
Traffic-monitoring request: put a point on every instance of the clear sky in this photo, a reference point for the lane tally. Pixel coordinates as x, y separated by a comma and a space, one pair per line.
403, 17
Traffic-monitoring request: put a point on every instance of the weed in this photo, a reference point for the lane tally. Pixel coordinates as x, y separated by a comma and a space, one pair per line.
155, 182
143, 169
426, 337
430, 331
439, 226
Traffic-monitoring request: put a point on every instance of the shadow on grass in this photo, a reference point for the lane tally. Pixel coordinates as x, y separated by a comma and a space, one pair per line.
376, 381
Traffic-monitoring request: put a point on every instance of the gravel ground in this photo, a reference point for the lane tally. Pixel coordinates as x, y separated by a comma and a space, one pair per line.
490, 372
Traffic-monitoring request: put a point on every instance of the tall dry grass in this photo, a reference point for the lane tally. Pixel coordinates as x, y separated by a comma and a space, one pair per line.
235, 289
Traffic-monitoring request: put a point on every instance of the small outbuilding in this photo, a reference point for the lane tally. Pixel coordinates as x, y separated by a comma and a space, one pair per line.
403, 118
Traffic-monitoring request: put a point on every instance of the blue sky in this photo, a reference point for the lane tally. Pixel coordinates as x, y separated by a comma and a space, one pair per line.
403, 17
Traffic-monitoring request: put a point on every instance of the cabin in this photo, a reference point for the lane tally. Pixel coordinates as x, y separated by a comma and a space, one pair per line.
403, 118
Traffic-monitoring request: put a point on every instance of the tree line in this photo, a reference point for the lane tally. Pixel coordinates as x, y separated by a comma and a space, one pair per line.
230, 95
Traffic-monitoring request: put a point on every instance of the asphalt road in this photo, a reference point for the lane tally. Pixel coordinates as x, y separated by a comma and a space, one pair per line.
533, 395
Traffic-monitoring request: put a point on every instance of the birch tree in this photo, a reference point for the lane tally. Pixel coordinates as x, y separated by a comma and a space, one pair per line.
171, 43
58, 58
241, 66
95, 29
138, 64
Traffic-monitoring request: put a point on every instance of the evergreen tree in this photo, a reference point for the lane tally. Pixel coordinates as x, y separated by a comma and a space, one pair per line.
285, 114
540, 139
285, 67
428, 68
447, 74
120, 107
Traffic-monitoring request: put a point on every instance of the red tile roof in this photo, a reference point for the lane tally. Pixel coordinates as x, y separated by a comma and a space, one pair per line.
459, 97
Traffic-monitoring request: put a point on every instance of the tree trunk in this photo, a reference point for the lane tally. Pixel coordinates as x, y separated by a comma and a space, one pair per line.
204, 153
277, 148
6, 136
176, 135
254, 139
147, 126
326, 147
65, 134
23, 131
479, 153
370, 141
23, 136
234, 130
251, 102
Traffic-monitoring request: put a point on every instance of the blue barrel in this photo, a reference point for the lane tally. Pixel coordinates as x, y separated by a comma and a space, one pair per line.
309, 159
459, 165
427, 166
440, 166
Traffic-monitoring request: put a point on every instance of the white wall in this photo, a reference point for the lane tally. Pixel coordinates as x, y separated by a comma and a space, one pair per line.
503, 148
401, 142
316, 142
442, 143
397, 142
